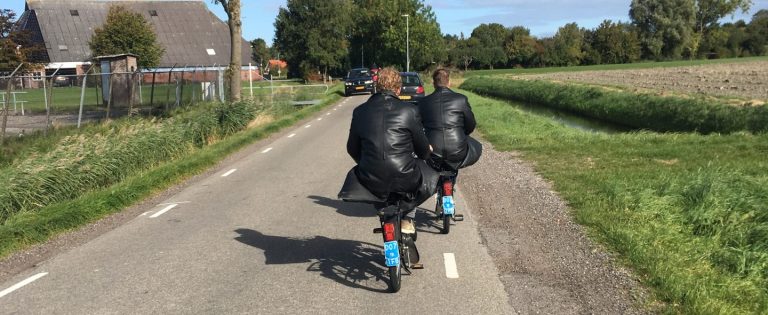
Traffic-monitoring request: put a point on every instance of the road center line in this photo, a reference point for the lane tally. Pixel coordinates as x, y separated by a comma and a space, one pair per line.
451, 271
328, 114
291, 135
229, 172
159, 213
319, 119
307, 126
266, 150
22, 283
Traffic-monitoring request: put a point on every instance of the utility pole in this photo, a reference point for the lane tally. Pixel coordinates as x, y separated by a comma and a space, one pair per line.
407, 44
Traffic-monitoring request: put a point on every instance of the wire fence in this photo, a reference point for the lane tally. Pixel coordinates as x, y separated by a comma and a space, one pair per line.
93, 95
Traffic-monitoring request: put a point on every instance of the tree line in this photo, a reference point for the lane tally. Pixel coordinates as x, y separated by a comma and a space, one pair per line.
330, 36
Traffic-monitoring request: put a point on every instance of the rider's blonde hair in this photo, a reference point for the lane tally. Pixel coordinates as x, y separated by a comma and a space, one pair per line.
389, 80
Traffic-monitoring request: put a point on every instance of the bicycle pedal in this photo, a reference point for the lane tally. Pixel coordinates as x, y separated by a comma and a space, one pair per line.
417, 266
458, 217
378, 231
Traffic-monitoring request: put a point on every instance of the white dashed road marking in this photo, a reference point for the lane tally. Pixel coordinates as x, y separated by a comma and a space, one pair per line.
229, 172
291, 135
328, 114
319, 119
22, 283
159, 213
266, 150
307, 126
451, 271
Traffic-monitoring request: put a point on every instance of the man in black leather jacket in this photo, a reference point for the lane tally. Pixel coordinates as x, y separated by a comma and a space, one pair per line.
448, 120
384, 136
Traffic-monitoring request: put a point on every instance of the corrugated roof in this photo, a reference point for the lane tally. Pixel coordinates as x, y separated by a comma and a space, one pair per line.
189, 32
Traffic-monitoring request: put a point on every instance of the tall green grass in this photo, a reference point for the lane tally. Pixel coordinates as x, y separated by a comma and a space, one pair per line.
688, 212
51, 216
642, 111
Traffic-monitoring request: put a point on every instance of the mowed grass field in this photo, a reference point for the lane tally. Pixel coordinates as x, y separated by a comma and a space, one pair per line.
687, 212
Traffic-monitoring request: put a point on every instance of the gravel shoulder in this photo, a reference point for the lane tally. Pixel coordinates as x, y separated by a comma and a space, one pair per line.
545, 261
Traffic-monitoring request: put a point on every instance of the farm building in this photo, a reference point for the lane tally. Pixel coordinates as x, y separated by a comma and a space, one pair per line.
190, 33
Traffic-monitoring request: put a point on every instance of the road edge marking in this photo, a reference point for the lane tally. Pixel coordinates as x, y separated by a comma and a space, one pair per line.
159, 213
22, 283
267, 150
229, 172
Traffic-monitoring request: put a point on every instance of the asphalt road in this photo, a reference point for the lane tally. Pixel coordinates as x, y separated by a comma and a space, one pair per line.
267, 238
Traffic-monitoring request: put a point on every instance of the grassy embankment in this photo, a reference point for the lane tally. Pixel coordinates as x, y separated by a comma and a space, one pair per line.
688, 212
55, 186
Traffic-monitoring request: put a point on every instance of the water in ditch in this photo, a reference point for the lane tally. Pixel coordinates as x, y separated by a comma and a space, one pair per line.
572, 120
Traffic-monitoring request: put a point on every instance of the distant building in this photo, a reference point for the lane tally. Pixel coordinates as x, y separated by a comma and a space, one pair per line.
190, 33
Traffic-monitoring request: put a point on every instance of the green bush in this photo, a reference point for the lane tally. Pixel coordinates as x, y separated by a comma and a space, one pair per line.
643, 111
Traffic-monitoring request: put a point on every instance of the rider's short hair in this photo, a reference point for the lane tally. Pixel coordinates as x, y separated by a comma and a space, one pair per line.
441, 78
389, 80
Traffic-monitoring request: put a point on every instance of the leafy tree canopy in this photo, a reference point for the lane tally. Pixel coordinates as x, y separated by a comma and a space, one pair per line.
126, 31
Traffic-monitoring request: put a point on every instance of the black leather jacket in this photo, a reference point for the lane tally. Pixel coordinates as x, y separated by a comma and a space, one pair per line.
384, 135
448, 120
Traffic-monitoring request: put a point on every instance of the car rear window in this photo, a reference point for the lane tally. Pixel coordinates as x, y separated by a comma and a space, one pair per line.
411, 80
358, 73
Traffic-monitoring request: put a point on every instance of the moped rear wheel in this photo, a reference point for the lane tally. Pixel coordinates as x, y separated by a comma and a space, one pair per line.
446, 224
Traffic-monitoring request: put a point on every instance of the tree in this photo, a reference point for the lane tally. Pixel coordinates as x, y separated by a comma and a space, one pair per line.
260, 53
708, 12
615, 43
378, 34
123, 32
232, 9
520, 46
312, 35
490, 49
567, 46
665, 27
758, 33
16, 46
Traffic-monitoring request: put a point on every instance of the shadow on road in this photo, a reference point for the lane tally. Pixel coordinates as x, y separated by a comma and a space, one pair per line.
352, 263
350, 209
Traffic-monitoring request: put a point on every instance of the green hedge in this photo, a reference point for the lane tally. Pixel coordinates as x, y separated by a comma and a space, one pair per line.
643, 111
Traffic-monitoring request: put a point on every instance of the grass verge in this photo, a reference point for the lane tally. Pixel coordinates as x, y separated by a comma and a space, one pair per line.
688, 212
31, 227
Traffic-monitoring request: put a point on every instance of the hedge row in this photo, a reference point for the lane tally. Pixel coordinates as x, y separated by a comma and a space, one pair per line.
642, 111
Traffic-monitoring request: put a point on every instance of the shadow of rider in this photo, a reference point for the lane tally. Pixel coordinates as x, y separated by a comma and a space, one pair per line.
352, 263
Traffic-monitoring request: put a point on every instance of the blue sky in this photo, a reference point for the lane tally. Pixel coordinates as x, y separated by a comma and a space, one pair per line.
542, 17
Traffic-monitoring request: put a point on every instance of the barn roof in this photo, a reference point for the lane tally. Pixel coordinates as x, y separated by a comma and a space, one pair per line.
190, 33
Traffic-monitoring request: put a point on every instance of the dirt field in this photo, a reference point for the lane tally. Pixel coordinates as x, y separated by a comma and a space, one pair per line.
744, 80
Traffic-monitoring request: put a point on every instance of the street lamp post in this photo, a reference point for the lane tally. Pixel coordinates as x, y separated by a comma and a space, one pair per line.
407, 44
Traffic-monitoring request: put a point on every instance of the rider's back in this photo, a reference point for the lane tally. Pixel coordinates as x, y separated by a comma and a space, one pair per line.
448, 120
385, 133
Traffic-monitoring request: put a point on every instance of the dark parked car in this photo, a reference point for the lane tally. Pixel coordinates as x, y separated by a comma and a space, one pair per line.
61, 81
413, 88
358, 80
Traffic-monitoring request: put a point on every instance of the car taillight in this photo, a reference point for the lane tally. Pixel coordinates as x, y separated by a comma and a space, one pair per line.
420, 89
389, 232
447, 188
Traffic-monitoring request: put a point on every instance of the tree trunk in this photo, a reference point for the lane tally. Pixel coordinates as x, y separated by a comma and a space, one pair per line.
235, 31
5, 109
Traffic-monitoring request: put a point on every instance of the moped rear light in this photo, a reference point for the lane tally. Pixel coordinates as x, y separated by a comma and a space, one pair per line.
389, 232
447, 188
420, 89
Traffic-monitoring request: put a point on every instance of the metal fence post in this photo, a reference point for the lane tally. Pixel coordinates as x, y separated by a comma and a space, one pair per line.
221, 85
250, 78
7, 99
82, 97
